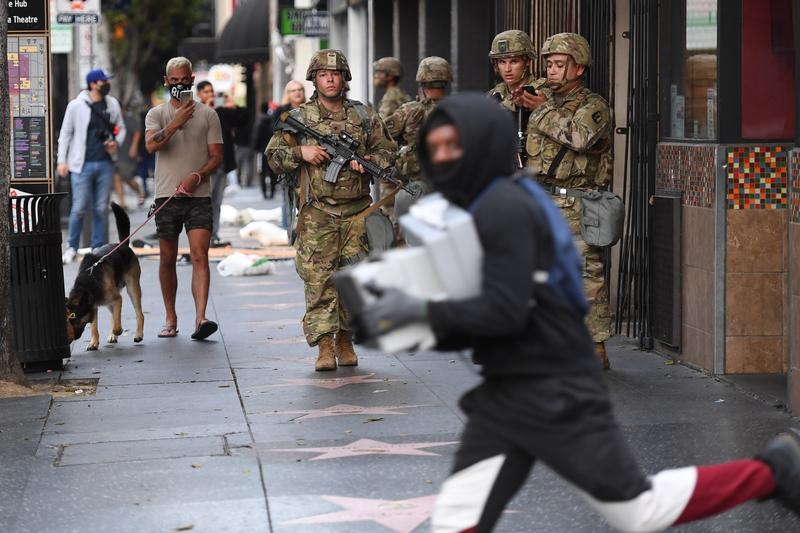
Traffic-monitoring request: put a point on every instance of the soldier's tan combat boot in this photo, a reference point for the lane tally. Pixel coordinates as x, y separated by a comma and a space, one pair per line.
600, 351
326, 360
344, 349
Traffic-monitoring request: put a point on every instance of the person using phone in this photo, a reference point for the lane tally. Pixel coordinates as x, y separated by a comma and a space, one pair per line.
187, 140
92, 129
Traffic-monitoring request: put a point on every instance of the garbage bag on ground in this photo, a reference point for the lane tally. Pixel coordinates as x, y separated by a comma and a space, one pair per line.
228, 215
248, 215
266, 233
239, 264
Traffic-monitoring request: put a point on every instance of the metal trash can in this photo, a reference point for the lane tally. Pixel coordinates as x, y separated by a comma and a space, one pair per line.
37, 280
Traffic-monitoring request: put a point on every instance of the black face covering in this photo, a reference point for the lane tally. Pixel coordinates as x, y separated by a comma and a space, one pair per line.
488, 141
105, 89
175, 90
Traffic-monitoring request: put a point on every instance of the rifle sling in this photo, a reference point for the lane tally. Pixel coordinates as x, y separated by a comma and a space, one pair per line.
374, 207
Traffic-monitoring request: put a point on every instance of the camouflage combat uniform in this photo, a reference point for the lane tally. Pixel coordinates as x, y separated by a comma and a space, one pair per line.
392, 100
515, 43
581, 122
329, 235
404, 125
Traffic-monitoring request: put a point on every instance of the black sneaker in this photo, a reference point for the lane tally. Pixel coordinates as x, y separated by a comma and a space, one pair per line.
782, 455
219, 243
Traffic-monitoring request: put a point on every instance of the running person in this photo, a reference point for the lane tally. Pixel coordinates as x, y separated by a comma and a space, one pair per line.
543, 396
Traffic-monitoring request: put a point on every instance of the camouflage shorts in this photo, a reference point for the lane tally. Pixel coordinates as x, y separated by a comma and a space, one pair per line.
191, 213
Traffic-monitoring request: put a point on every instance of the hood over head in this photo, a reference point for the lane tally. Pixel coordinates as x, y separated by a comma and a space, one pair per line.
488, 139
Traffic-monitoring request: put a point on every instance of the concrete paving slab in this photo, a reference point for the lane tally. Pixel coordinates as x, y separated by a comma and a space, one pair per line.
140, 450
89, 416
212, 516
54, 439
96, 490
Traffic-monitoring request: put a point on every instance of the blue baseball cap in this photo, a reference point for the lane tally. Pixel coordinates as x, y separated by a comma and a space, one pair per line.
97, 74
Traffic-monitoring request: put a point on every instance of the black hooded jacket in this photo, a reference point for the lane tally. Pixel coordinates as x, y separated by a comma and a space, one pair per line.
514, 327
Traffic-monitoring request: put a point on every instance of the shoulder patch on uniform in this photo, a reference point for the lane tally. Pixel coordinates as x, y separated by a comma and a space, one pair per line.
597, 116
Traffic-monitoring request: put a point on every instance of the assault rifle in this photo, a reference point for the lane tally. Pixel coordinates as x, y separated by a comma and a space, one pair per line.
342, 149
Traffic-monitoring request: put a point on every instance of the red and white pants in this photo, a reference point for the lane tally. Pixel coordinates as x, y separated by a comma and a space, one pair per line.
567, 423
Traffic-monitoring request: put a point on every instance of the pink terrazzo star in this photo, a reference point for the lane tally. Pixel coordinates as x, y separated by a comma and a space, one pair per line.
343, 409
401, 516
369, 447
331, 383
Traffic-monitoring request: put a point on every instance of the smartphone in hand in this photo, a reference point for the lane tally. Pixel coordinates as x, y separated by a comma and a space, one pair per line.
186, 96
530, 90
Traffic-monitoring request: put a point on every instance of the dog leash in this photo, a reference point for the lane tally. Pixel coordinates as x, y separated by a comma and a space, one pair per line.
180, 190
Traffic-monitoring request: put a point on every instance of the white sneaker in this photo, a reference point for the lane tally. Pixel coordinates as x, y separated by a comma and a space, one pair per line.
232, 189
69, 255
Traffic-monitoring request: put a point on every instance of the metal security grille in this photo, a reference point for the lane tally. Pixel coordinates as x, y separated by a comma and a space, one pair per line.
512, 15
634, 290
552, 16
597, 25
666, 207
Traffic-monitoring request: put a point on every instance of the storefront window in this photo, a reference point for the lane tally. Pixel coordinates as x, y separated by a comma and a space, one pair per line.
690, 54
768, 93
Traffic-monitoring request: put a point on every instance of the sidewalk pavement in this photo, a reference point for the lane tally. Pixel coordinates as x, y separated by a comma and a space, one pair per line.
239, 433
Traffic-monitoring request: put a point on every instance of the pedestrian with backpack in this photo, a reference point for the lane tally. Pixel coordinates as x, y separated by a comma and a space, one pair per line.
543, 394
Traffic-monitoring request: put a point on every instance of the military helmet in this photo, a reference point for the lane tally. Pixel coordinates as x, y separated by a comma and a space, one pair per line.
570, 44
389, 65
328, 60
511, 43
434, 69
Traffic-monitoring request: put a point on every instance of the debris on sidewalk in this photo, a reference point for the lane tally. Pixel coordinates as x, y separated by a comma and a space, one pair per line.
230, 216
239, 264
266, 233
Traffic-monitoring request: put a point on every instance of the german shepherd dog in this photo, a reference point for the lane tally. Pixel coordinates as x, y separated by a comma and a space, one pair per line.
101, 285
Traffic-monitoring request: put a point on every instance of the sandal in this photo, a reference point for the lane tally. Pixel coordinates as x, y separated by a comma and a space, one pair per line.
168, 330
206, 328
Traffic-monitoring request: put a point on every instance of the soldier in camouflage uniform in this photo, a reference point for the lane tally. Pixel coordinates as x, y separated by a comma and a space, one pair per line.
331, 231
569, 146
387, 72
513, 58
433, 76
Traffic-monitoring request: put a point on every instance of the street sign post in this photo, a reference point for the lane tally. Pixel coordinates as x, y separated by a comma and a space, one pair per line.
82, 12
28, 55
305, 22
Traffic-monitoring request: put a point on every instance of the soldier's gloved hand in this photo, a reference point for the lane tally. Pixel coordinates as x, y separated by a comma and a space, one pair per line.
394, 308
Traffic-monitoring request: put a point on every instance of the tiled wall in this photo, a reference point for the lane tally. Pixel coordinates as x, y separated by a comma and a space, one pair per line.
757, 177
753, 268
756, 302
794, 193
794, 275
688, 168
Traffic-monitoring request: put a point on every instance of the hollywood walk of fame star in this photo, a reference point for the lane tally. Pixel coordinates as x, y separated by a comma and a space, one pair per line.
401, 516
344, 409
331, 383
369, 447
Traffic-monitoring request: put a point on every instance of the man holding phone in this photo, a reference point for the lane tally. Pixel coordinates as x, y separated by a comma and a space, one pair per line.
187, 141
